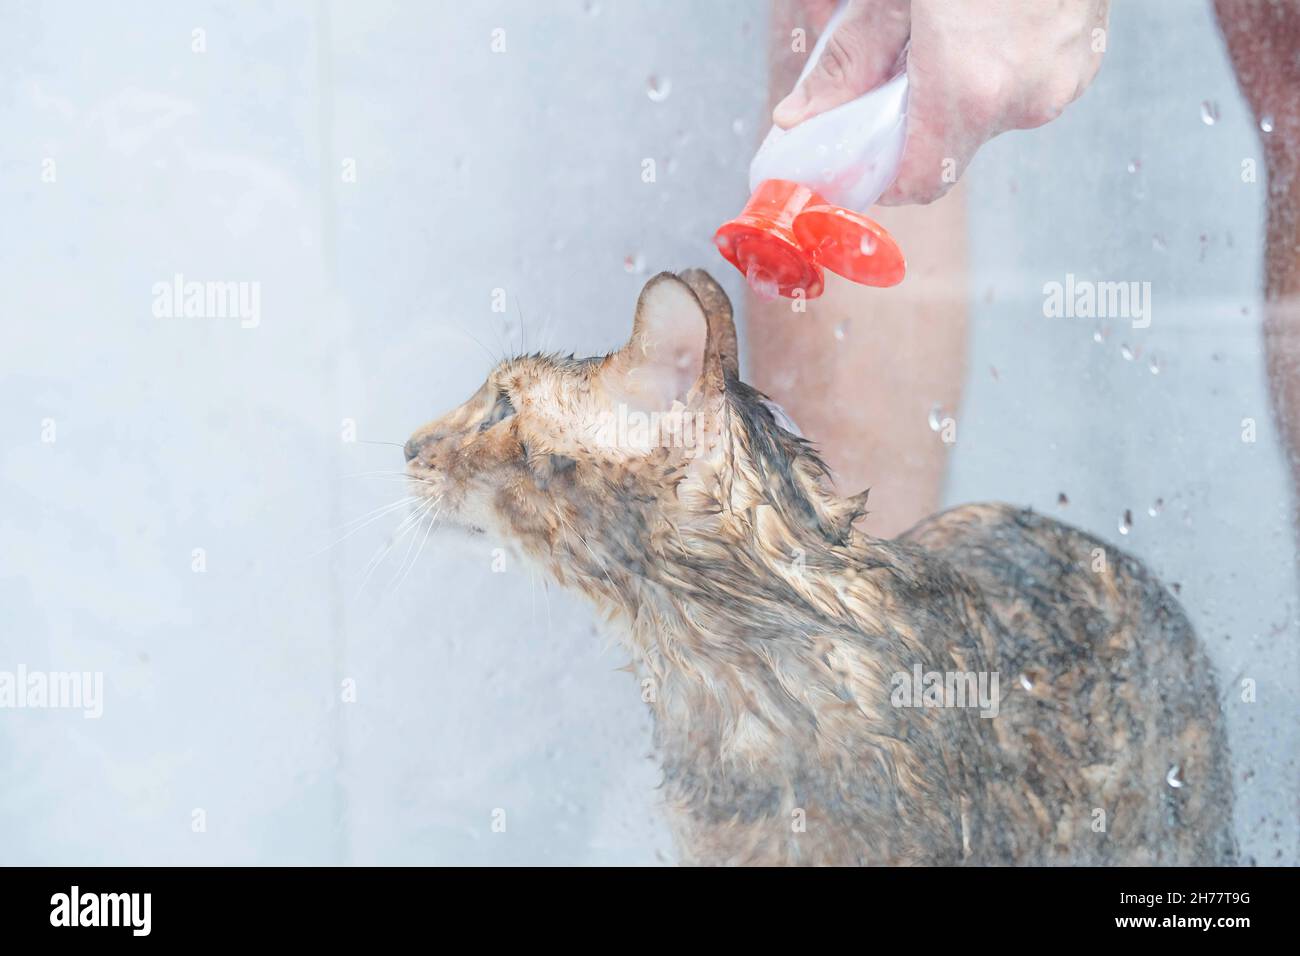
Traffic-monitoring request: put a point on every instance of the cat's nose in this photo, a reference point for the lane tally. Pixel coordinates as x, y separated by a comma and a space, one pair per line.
421, 442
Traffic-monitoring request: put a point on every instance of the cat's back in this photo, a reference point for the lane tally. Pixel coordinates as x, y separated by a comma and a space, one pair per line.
1110, 710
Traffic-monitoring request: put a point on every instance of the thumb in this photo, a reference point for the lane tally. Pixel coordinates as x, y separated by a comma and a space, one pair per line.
863, 52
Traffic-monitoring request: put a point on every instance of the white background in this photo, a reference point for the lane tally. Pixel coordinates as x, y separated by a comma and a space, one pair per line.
520, 171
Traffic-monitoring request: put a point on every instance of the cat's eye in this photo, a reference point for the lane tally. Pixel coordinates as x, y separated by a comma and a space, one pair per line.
502, 410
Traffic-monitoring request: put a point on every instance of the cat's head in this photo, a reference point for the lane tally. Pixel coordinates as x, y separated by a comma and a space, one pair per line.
607, 469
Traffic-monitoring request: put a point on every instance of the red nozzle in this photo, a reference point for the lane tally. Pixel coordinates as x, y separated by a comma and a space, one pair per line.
787, 233
760, 242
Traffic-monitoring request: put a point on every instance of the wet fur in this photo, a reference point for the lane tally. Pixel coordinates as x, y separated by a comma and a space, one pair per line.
766, 627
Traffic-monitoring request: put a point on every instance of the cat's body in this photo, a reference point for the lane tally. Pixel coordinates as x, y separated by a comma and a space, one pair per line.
772, 636
1107, 716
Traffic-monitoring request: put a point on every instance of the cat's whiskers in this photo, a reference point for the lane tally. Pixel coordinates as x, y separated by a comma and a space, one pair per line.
504, 341
494, 359
388, 476
354, 525
430, 525
398, 533
383, 473
523, 336
413, 530
376, 512
545, 343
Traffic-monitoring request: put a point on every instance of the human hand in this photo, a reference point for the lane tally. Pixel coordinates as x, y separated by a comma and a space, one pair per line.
975, 68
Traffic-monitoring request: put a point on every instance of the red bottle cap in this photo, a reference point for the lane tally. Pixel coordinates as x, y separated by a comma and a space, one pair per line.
787, 233
760, 242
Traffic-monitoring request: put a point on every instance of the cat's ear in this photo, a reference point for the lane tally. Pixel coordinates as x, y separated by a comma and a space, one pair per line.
721, 353
665, 354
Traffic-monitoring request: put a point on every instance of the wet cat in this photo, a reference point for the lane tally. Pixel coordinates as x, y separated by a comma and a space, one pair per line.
992, 687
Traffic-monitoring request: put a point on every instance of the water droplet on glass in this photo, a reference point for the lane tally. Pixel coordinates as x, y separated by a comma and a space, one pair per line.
591, 8
936, 417
1026, 682
1127, 352
1158, 243
821, 149
1134, 165
868, 244
1156, 507
1126, 522
1209, 112
634, 264
1098, 337
1062, 499
1154, 366
1175, 777
1266, 124
841, 330
738, 126
763, 284
658, 87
